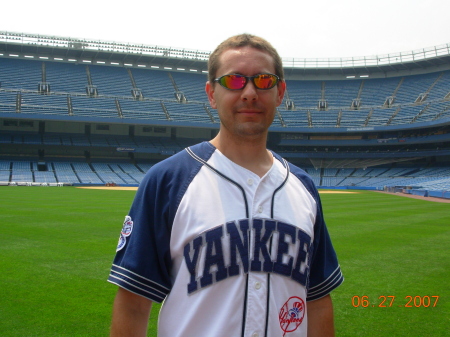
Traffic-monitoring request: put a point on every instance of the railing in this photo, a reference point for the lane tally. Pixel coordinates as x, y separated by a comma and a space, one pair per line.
116, 47
367, 61
142, 49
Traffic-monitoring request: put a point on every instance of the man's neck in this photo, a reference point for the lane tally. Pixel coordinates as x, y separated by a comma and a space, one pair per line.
250, 154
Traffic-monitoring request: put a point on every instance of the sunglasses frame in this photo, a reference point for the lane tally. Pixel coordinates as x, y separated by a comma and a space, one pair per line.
247, 79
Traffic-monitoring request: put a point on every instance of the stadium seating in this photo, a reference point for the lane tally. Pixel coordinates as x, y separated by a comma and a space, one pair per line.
101, 173
94, 107
375, 91
305, 94
8, 102
191, 85
68, 78
142, 110
45, 177
44, 104
161, 101
154, 84
20, 74
114, 82
187, 112
341, 93
413, 86
176, 95
65, 173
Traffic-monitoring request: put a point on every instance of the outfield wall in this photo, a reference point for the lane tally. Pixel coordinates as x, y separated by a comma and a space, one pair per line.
365, 188
424, 193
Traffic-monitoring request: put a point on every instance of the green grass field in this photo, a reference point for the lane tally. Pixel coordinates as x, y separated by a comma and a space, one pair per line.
58, 244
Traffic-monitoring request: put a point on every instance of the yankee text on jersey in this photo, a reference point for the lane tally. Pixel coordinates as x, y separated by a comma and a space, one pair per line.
257, 245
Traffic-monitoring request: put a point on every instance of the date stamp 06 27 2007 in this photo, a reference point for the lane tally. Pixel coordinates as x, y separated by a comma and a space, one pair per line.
391, 301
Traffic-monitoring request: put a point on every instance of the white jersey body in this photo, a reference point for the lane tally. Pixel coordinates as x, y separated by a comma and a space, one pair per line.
229, 253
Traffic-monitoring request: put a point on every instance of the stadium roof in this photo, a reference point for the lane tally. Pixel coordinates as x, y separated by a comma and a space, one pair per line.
134, 55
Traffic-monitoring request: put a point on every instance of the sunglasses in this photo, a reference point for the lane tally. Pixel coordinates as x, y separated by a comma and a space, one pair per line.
238, 82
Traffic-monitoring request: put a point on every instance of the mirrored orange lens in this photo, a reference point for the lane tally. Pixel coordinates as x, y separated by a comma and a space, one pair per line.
233, 82
265, 81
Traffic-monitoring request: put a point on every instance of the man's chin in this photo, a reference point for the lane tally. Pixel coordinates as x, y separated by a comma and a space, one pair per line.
251, 129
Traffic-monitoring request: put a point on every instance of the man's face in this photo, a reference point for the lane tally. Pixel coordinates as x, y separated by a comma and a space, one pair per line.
248, 112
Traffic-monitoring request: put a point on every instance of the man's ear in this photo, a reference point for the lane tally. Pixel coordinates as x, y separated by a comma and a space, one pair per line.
209, 88
281, 87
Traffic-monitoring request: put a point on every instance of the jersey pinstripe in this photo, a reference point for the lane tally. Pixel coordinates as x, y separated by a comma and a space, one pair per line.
229, 253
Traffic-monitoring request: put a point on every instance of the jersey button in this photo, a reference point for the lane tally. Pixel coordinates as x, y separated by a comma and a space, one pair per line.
250, 181
255, 334
257, 285
260, 209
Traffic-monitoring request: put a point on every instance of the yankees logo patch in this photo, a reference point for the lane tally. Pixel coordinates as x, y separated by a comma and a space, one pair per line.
127, 228
291, 314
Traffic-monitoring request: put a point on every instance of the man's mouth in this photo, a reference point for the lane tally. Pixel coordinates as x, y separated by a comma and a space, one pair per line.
249, 111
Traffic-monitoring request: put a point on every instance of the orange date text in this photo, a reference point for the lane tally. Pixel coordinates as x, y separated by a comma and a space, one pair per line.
391, 301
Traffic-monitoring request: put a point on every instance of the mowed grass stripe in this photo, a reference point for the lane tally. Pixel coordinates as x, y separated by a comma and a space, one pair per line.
56, 253
390, 246
58, 245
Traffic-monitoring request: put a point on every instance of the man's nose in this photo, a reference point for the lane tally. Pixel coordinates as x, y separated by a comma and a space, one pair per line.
249, 93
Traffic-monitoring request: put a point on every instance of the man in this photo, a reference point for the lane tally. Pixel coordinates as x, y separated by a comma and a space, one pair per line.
228, 234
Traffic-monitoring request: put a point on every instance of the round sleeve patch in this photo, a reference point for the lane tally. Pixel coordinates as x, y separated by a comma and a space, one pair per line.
127, 228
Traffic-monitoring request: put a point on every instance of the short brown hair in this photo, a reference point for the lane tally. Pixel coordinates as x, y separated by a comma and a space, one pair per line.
239, 41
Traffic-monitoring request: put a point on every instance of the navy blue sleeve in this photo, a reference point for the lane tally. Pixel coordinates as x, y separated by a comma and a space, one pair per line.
143, 262
325, 273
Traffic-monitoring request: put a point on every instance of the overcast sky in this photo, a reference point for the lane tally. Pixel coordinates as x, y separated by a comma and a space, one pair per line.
300, 29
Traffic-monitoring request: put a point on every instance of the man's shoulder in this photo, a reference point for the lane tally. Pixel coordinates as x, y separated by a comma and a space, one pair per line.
169, 179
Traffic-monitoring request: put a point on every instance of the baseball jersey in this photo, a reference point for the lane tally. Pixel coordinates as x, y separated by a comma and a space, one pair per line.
230, 253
